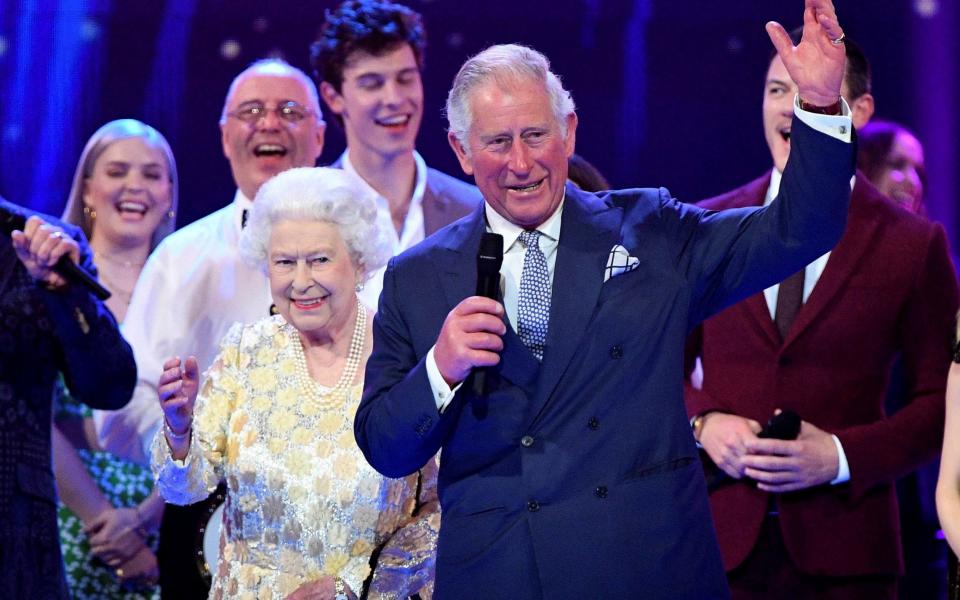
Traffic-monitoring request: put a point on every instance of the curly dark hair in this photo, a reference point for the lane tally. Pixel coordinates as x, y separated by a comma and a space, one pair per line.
372, 26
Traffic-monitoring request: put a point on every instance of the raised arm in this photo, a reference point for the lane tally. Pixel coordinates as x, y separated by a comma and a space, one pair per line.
96, 362
188, 453
817, 63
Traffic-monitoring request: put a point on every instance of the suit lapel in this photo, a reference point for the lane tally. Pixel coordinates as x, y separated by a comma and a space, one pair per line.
433, 209
756, 305
589, 229
861, 230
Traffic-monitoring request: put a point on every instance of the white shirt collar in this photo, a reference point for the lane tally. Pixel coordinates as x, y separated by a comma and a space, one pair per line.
418, 189
240, 203
497, 223
776, 177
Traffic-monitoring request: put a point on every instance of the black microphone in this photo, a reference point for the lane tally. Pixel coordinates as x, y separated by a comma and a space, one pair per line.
784, 425
489, 259
11, 221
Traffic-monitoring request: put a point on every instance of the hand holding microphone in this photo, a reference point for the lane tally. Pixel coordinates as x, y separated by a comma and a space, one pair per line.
471, 334
48, 254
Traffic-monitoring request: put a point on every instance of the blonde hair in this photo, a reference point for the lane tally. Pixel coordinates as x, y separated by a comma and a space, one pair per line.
114, 131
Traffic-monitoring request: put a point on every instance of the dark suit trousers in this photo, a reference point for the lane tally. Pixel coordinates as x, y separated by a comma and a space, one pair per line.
768, 573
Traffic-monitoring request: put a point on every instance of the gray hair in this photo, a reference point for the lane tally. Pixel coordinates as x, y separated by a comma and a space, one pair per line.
506, 65
316, 194
276, 67
114, 131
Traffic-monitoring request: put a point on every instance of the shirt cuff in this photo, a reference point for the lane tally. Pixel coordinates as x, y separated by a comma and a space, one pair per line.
843, 469
442, 393
836, 126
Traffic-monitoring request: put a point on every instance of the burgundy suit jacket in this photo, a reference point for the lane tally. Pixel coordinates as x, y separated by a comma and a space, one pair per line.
888, 289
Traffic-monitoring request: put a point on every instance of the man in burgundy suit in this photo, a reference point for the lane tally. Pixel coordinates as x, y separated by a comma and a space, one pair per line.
816, 517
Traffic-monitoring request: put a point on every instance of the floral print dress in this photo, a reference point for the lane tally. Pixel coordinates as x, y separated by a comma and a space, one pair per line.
302, 502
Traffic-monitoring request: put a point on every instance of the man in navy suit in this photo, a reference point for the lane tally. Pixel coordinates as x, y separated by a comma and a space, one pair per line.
575, 475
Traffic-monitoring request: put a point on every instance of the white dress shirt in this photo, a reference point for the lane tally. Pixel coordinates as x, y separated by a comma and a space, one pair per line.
192, 289
412, 232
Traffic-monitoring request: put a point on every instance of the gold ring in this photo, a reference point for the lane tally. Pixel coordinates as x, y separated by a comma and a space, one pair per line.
839, 40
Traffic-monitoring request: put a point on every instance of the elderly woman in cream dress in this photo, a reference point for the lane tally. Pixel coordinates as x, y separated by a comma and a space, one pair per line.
304, 512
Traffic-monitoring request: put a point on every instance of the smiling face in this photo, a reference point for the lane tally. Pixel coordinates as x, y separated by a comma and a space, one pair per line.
130, 190
257, 151
380, 101
516, 150
900, 178
313, 278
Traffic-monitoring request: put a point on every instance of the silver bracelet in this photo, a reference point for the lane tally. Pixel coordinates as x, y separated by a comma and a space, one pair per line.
176, 437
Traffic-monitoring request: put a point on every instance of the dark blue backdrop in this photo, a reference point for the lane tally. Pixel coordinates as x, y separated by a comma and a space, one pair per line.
668, 90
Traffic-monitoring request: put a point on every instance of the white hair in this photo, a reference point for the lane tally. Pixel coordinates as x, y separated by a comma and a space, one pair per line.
506, 65
275, 67
317, 194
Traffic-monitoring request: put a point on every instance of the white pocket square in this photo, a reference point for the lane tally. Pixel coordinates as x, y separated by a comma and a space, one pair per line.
619, 262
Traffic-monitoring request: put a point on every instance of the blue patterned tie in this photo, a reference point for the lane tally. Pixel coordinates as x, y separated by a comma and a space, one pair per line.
533, 312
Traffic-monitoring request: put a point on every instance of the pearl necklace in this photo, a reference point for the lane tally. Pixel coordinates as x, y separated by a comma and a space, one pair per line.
332, 397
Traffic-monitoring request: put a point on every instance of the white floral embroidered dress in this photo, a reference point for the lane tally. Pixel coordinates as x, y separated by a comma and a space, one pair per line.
302, 502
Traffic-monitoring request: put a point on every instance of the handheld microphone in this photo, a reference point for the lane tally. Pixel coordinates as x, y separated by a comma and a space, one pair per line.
784, 425
489, 260
11, 221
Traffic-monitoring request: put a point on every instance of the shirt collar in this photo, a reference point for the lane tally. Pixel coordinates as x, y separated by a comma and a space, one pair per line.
497, 223
240, 203
776, 177
418, 189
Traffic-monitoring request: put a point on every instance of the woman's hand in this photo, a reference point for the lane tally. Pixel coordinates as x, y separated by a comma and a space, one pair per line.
320, 589
39, 246
177, 388
141, 571
115, 535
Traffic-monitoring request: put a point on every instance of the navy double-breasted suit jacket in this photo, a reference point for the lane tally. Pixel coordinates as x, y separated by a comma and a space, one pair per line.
582, 479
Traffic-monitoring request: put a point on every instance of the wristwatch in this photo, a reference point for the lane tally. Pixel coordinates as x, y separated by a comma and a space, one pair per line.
696, 424
339, 590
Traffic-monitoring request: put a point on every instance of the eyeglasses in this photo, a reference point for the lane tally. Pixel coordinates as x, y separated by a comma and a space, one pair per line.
289, 112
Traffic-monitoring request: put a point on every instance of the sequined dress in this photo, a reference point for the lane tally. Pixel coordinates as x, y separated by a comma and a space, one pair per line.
302, 502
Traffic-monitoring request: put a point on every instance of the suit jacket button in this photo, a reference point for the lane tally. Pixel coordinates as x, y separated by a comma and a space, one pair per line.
526, 441
616, 351
533, 506
593, 423
601, 491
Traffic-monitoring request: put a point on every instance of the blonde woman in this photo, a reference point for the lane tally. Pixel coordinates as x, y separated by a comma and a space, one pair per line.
124, 198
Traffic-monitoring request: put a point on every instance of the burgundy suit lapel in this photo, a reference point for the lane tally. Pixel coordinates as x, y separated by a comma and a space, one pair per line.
755, 306
861, 230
